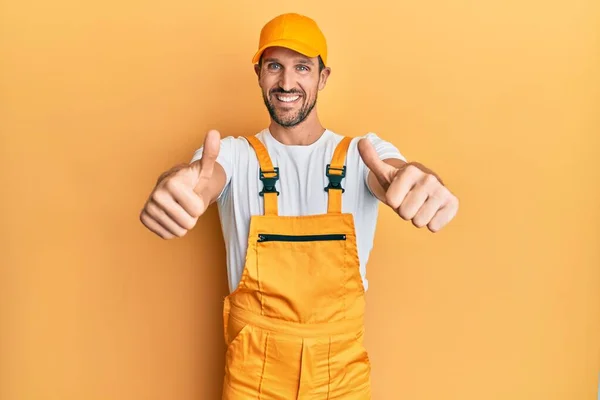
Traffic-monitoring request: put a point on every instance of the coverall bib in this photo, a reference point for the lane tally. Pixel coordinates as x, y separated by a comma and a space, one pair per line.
294, 325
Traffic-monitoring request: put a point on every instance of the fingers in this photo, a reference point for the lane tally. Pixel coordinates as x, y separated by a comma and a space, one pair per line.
176, 212
154, 226
210, 152
421, 198
167, 218
177, 200
159, 222
173, 208
382, 171
413, 202
402, 185
156, 211
423, 215
444, 215
185, 202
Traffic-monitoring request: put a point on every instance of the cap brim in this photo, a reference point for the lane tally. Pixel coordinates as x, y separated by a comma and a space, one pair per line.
289, 44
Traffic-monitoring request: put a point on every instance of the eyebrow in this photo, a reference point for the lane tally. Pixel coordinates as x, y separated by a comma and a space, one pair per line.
306, 61
299, 60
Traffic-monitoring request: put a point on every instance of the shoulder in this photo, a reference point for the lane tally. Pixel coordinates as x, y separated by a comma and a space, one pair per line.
371, 136
333, 138
242, 140
240, 143
384, 147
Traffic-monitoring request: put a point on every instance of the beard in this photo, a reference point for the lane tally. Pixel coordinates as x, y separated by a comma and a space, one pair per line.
288, 119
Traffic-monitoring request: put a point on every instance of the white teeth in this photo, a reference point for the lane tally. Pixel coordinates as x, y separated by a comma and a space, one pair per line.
287, 99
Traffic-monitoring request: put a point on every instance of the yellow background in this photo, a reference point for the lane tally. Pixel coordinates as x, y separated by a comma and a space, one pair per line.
501, 98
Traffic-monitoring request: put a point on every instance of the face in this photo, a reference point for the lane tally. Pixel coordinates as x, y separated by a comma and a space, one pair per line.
290, 83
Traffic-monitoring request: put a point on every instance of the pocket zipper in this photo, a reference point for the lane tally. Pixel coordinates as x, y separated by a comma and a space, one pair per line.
265, 237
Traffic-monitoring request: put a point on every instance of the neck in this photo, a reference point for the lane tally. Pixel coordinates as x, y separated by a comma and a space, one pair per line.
303, 134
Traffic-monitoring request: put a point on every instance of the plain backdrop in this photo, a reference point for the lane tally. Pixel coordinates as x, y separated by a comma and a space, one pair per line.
501, 98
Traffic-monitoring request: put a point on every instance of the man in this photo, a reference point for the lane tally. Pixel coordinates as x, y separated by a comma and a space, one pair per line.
298, 205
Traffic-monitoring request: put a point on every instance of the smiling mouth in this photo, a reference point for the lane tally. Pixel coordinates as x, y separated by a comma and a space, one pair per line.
287, 98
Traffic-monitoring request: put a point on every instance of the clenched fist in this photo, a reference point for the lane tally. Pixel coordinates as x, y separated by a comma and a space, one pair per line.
412, 191
183, 193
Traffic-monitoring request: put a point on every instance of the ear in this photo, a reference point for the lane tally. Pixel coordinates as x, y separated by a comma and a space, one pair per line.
257, 70
323, 77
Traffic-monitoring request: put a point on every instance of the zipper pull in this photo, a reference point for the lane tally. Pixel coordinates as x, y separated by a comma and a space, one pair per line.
261, 238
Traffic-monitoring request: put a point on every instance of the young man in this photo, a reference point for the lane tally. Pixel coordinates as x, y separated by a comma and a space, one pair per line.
298, 206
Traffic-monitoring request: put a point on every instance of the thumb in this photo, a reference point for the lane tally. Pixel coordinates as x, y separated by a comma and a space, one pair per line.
210, 152
383, 172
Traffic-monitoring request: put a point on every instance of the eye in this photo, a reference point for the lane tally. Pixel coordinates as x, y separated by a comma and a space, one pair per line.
303, 68
273, 66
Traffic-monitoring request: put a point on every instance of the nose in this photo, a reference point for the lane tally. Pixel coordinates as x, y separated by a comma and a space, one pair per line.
286, 81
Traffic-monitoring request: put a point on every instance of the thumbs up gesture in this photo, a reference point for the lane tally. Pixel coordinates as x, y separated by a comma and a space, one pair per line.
411, 190
183, 193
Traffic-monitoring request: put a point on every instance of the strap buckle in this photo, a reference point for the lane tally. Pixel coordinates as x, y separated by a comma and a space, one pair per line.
335, 181
269, 183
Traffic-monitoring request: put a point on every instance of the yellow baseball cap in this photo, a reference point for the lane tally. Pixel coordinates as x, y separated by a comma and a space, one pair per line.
293, 31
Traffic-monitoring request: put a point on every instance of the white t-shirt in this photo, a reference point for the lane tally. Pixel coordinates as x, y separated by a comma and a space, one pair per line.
301, 189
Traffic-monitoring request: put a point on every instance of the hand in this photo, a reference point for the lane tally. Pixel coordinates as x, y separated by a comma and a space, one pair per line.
180, 196
412, 191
